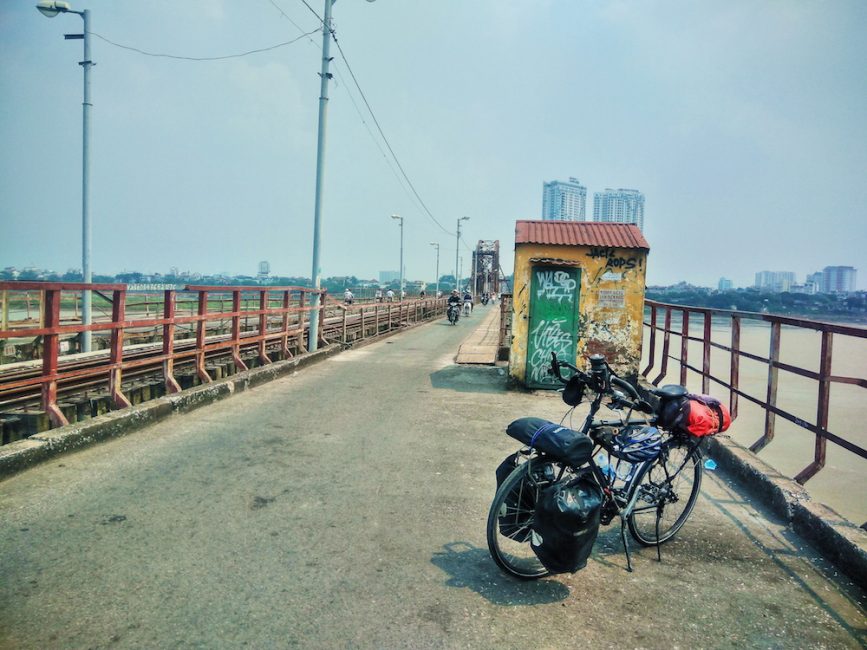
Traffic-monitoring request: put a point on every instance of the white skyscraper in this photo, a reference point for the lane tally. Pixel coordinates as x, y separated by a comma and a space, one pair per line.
838, 279
564, 201
619, 206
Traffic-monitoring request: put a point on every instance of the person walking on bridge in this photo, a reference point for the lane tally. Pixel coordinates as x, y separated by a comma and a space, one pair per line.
347, 296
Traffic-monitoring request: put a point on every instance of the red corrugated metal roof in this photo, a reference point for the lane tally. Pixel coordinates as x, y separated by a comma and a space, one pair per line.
580, 233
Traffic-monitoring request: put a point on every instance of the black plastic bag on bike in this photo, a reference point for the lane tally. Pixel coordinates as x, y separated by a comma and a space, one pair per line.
519, 504
566, 524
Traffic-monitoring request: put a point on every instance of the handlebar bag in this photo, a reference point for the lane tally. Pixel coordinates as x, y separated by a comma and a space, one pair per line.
567, 445
566, 524
697, 415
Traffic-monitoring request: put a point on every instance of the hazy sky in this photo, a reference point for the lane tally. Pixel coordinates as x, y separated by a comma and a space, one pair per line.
744, 123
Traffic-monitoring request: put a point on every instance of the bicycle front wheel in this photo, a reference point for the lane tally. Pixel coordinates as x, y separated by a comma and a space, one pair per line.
666, 488
510, 522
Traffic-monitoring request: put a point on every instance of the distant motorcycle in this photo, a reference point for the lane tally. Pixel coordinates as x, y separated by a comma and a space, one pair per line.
454, 313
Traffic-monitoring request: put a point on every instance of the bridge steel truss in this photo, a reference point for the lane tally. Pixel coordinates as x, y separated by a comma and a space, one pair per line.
203, 333
486, 267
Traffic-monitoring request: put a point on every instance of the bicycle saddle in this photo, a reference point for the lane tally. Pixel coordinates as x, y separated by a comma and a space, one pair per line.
669, 391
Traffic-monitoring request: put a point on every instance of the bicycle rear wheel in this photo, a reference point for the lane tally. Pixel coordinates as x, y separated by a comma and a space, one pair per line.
669, 485
510, 519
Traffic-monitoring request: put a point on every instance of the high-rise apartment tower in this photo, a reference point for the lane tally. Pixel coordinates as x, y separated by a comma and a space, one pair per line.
564, 201
619, 206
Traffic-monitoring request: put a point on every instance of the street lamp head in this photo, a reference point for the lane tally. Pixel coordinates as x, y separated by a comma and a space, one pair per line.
395, 216
464, 219
50, 8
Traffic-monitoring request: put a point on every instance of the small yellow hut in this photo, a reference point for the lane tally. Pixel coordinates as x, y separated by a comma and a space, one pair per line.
578, 291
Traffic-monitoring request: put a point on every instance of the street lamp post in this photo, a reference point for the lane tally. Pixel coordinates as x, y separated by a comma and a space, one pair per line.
437, 246
50, 9
399, 218
458, 249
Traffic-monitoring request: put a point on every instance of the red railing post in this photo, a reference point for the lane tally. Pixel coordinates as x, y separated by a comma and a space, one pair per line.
666, 342
705, 361
320, 334
169, 302
284, 324
263, 327
201, 335
652, 343
302, 317
773, 382
345, 311
240, 366
735, 368
118, 315
821, 410
684, 345
51, 320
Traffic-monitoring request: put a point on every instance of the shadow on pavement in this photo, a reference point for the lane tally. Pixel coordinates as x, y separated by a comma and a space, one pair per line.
470, 379
470, 567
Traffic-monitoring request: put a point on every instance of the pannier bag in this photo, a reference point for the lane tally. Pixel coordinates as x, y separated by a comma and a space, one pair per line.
566, 524
515, 523
698, 415
567, 445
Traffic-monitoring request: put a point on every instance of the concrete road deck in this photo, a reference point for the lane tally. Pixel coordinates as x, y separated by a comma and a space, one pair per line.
345, 507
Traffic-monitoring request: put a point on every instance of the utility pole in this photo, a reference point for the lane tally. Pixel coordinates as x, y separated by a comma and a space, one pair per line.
394, 216
316, 275
437, 246
458, 250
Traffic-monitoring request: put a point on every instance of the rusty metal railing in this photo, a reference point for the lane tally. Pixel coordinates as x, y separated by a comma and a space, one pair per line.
824, 378
262, 323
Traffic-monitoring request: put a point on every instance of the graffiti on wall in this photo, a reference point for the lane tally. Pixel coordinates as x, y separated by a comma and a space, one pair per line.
546, 337
555, 285
614, 261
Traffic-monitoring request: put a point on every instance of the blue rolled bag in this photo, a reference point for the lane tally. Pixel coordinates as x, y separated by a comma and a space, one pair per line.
560, 443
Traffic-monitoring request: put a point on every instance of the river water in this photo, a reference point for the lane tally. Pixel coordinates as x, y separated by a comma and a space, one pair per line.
842, 483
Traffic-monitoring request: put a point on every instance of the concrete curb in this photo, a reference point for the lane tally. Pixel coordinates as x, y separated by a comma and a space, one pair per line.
23, 454
836, 538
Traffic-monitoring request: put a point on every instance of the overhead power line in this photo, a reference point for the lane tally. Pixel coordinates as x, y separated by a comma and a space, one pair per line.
375, 120
385, 139
351, 96
202, 58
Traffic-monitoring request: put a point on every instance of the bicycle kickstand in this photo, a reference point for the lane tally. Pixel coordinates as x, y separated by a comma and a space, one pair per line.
625, 544
658, 546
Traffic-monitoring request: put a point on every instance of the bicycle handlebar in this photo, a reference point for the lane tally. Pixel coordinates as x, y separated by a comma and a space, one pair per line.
601, 379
